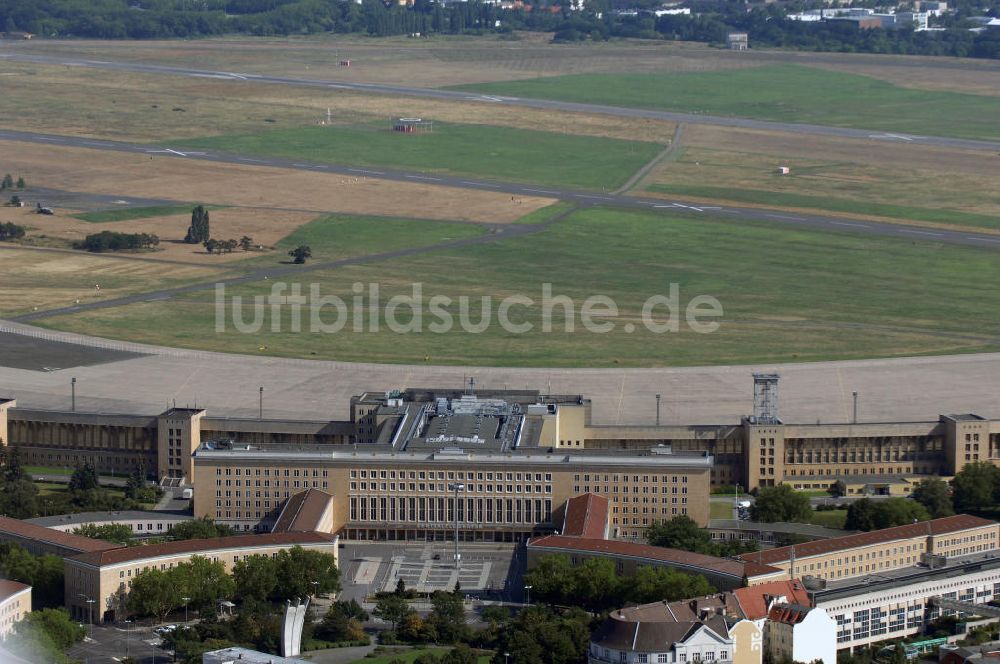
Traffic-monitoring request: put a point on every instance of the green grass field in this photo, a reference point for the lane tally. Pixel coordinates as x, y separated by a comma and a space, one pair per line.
720, 510
783, 93
829, 518
345, 236
484, 151
829, 204
788, 295
126, 214
407, 655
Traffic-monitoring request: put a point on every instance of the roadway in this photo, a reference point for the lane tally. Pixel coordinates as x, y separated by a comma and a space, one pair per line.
548, 104
579, 197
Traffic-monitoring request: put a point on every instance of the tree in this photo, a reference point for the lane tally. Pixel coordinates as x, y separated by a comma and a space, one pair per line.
342, 622
597, 585
212, 245
110, 532
198, 232
391, 608
229, 245
13, 469
19, 499
300, 253
867, 514
933, 493
780, 503
975, 486
20, 183
246, 243
203, 581
298, 568
83, 484
680, 532
202, 528
57, 624
15, 201
154, 592
255, 578
7, 183
447, 618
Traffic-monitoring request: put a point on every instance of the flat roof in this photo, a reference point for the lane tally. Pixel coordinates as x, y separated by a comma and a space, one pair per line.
320, 453
943, 526
45, 535
113, 516
808, 529
696, 562
897, 578
135, 553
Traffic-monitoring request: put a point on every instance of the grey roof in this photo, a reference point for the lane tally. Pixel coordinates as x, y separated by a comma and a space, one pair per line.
807, 529
107, 517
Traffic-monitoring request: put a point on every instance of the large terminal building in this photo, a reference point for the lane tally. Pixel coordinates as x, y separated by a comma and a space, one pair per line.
392, 469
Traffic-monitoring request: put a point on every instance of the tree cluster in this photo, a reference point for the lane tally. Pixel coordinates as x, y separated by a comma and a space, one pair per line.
780, 503
43, 573
11, 231
710, 21
198, 232
119, 533
8, 182
342, 624
18, 494
544, 635
867, 514
681, 532
115, 241
976, 487
300, 253
287, 576
596, 586
200, 528
43, 635
156, 592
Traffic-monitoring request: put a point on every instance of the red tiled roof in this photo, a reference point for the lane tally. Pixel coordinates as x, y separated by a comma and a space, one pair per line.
943, 526
9, 588
55, 537
755, 599
196, 546
790, 615
302, 512
586, 516
696, 561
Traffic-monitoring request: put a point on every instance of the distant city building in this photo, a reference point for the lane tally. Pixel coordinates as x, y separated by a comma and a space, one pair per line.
738, 41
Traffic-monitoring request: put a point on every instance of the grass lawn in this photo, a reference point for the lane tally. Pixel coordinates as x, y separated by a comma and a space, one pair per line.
126, 214
830, 204
720, 510
50, 488
485, 151
407, 655
343, 236
36, 471
783, 93
829, 518
788, 294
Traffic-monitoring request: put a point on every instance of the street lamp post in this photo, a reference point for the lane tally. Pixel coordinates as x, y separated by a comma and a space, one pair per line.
128, 635
506, 655
72, 387
90, 608
657, 410
456, 487
185, 600
315, 585
527, 594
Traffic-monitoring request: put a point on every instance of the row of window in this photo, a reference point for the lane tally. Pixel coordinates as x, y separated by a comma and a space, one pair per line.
442, 510
443, 488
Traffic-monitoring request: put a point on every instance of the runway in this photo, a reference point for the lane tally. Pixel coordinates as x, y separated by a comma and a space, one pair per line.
571, 107
582, 198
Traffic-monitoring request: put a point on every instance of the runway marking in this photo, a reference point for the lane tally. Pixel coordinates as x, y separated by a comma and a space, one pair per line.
981, 239
490, 98
480, 184
54, 140
784, 216
301, 165
422, 177
256, 161
599, 198
215, 76
891, 136
177, 153
239, 76
543, 191
847, 223
361, 170
905, 230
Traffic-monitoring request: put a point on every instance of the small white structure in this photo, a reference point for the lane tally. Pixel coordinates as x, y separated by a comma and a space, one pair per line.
784, 170
291, 628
